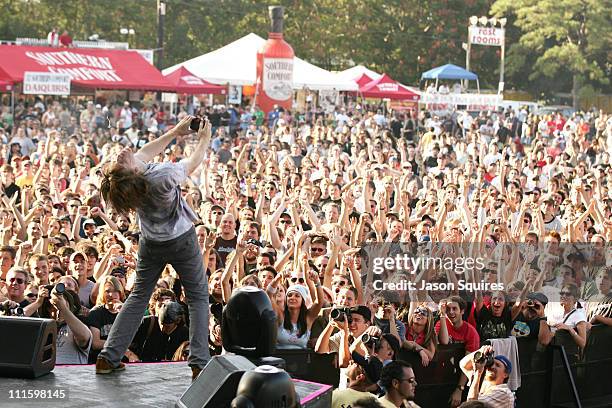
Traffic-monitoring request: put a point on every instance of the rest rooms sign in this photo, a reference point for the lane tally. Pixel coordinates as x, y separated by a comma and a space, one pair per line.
487, 36
46, 83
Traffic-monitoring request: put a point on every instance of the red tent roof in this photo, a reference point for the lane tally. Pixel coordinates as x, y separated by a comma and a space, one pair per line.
185, 82
90, 68
5, 85
363, 80
387, 87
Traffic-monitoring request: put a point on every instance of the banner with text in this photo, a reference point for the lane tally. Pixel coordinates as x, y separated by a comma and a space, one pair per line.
473, 102
46, 83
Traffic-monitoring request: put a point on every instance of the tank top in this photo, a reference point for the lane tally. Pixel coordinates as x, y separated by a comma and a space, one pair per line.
289, 339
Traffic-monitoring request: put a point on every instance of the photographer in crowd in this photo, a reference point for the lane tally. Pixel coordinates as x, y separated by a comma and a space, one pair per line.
489, 377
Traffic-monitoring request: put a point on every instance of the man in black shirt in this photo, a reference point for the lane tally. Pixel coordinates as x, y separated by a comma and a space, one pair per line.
158, 337
226, 241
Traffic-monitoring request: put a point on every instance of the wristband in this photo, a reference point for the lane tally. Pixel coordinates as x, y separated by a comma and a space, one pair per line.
44, 236
272, 290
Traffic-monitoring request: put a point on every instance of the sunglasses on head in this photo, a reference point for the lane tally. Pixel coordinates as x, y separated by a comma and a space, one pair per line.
422, 311
294, 280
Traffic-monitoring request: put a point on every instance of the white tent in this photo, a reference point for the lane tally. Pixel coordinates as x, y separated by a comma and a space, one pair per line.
235, 64
356, 72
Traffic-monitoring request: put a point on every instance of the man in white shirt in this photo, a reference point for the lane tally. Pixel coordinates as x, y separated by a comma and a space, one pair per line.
126, 115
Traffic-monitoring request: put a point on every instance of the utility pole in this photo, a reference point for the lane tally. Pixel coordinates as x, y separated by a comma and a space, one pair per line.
161, 14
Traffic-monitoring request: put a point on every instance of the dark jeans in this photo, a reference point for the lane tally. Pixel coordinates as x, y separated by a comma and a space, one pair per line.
183, 253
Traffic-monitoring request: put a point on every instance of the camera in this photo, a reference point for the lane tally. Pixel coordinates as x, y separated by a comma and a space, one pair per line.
60, 288
195, 123
370, 341
6, 310
341, 313
483, 358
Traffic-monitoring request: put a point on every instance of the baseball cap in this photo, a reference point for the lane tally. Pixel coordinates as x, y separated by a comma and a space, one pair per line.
372, 366
170, 312
428, 217
89, 221
539, 296
75, 254
506, 362
217, 206
363, 311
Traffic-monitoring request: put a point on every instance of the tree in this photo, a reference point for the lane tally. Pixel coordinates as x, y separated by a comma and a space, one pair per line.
566, 36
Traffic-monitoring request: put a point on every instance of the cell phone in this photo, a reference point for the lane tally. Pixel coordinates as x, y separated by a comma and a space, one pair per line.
120, 259
195, 123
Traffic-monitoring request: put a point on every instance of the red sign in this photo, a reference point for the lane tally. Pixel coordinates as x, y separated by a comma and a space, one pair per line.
91, 68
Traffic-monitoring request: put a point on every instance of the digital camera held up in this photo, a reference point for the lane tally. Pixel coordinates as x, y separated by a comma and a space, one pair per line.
340, 313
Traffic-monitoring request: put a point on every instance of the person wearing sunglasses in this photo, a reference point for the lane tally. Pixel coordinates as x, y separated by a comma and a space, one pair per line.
399, 382
420, 334
17, 280
574, 318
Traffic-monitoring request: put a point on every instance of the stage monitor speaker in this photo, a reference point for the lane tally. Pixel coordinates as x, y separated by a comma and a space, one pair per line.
217, 383
27, 346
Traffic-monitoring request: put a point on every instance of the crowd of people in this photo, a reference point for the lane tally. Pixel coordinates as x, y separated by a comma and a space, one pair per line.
298, 204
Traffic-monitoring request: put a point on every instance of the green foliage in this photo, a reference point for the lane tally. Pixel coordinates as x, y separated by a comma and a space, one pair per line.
559, 37
400, 37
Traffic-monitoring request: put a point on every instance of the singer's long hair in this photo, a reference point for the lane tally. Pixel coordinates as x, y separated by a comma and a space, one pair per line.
124, 189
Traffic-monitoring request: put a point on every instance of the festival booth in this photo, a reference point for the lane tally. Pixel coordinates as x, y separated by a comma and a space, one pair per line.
235, 64
450, 72
440, 102
184, 82
77, 71
401, 98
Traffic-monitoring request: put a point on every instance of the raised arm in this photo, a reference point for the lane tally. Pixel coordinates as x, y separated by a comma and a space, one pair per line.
197, 156
155, 147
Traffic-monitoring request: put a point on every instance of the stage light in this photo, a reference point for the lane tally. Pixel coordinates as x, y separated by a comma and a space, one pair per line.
493, 21
248, 326
483, 21
503, 21
473, 20
266, 386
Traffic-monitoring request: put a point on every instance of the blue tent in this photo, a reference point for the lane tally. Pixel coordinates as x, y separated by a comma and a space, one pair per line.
449, 71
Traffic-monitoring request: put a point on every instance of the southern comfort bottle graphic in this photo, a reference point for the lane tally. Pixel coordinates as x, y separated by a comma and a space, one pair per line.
275, 67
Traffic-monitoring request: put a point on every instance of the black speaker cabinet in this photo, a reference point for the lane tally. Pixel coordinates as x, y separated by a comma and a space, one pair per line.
216, 385
27, 346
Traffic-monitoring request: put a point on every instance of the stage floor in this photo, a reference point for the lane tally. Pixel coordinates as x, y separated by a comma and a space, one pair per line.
140, 385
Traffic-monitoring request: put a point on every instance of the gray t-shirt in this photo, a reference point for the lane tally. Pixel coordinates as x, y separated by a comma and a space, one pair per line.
166, 214
67, 351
